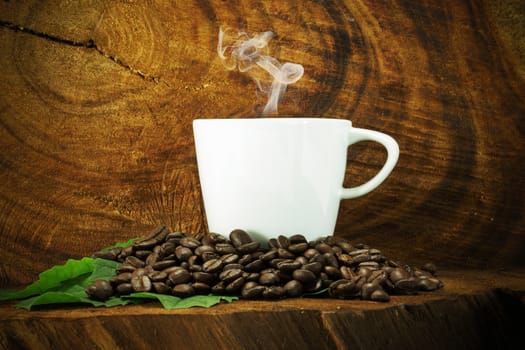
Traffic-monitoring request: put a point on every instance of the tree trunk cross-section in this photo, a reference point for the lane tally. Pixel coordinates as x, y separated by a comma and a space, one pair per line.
97, 100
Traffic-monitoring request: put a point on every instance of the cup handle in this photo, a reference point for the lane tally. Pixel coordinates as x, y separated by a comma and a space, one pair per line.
357, 135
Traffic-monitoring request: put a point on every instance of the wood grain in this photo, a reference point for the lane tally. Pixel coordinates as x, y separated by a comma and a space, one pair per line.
480, 310
98, 98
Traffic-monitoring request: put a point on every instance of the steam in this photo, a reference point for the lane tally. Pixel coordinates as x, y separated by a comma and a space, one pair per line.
247, 53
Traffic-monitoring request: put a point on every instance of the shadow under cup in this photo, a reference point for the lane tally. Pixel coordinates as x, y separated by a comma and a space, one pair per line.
279, 176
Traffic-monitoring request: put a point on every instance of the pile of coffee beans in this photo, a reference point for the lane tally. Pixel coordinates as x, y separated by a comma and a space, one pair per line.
174, 263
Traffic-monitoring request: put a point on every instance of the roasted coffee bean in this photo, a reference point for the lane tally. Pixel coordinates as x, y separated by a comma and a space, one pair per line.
283, 242
357, 252
145, 244
272, 243
194, 260
318, 258
232, 266
368, 288
429, 267
234, 286
167, 248
245, 259
332, 272
301, 260
269, 255
218, 288
315, 267
273, 263
304, 276
365, 272
229, 275
141, 283
369, 264
254, 266
99, 290
347, 272
205, 277
361, 258
183, 290
152, 258
252, 290
346, 259
164, 264
189, 242
330, 260
161, 288
429, 284
126, 268
257, 254
134, 261
293, 289
213, 265
406, 286
175, 237
285, 254
124, 288
195, 268
323, 248
343, 289
398, 274
125, 252
171, 269
337, 250
297, 238
379, 295
201, 288
419, 273
248, 248
345, 246
139, 272
239, 237
252, 276
298, 248
157, 276
179, 276
273, 292
268, 278
108, 255
377, 276
183, 253
288, 266
225, 248
124, 277
229, 258
310, 253
202, 249
377, 258
142, 254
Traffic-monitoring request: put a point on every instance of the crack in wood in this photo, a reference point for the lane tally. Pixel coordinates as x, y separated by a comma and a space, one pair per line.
88, 44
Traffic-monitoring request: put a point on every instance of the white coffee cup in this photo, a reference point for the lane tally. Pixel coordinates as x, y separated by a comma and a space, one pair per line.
273, 176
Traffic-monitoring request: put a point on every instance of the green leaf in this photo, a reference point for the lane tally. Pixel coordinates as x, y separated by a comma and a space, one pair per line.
57, 298
122, 244
318, 293
52, 278
171, 302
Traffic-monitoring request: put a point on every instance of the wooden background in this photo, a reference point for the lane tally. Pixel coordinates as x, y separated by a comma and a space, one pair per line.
97, 100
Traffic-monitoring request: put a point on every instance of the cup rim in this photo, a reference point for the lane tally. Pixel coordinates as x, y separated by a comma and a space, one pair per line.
287, 120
